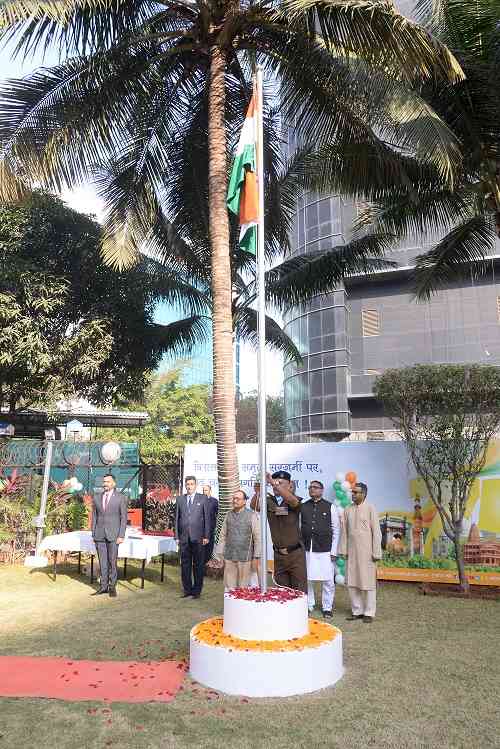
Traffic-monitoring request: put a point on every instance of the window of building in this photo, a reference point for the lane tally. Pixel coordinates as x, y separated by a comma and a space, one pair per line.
370, 322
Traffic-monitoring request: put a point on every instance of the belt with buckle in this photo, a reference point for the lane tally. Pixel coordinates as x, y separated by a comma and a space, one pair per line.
286, 549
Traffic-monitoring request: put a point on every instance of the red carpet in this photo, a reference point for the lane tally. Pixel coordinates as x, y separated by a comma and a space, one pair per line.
111, 681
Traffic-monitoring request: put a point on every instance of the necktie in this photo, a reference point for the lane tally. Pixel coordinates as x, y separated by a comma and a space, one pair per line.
105, 500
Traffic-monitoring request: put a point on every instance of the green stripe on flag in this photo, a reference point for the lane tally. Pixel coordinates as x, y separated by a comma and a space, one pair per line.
249, 241
237, 178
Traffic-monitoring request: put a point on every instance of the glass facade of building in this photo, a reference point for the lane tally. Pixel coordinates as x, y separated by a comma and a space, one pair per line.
350, 336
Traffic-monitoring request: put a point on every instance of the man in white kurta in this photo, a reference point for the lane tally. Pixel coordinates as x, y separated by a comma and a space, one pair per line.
360, 543
320, 528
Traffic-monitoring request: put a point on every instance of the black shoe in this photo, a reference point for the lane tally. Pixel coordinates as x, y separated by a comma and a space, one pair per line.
368, 619
99, 592
112, 593
327, 613
187, 595
353, 617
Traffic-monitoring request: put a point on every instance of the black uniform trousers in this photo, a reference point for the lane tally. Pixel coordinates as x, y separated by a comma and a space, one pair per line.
192, 566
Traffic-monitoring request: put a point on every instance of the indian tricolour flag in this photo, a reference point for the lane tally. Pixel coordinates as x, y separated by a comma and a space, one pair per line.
242, 195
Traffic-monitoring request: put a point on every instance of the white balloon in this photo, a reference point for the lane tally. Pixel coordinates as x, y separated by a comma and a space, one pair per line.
73, 482
340, 477
78, 486
110, 452
339, 507
346, 486
339, 580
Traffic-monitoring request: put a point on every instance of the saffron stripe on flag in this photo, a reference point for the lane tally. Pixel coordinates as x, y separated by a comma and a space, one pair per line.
242, 198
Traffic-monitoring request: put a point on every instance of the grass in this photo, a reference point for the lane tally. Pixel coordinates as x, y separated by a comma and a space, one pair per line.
425, 674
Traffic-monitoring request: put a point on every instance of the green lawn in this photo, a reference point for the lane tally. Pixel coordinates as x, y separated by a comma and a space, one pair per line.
425, 674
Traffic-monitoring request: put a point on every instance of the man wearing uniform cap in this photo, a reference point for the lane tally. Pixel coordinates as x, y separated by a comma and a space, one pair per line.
283, 515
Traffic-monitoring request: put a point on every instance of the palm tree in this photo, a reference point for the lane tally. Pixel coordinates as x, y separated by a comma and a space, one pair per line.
140, 76
464, 212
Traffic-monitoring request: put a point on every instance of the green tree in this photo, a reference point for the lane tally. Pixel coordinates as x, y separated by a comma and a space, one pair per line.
143, 76
246, 418
464, 213
70, 324
41, 359
447, 415
178, 416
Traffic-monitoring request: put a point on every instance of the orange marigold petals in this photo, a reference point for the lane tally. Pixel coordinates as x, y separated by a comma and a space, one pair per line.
211, 632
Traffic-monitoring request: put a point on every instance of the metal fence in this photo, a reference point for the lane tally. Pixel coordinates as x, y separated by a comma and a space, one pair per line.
82, 460
160, 485
150, 488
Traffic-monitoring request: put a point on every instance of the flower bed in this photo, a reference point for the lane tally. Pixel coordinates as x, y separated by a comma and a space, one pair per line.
210, 632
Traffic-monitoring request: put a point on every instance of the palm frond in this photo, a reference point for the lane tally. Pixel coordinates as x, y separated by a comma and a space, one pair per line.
298, 279
375, 32
461, 253
246, 327
432, 210
179, 338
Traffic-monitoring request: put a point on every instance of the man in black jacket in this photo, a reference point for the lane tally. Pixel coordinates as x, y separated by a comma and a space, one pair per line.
192, 529
320, 528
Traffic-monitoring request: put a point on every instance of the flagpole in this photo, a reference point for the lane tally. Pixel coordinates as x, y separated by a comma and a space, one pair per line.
261, 311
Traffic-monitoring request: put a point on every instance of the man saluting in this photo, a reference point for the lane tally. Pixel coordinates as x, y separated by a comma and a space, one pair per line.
283, 513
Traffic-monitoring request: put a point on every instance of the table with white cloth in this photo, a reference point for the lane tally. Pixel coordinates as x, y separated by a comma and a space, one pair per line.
144, 548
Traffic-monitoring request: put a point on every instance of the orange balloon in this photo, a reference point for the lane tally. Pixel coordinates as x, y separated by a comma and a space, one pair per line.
351, 478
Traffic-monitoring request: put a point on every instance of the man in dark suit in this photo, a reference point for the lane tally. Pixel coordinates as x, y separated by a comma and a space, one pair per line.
213, 509
192, 529
109, 520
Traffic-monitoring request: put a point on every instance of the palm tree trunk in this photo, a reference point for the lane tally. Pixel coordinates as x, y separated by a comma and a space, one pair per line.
223, 387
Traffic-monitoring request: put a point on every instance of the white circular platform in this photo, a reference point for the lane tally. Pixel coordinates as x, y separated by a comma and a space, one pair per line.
259, 670
266, 620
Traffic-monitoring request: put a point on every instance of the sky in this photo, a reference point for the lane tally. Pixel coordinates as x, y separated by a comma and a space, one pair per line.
85, 200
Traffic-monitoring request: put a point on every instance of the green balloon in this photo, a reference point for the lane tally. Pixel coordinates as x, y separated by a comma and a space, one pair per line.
337, 485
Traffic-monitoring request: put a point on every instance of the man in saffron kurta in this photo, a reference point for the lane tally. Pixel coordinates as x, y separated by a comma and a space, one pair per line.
360, 543
239, 543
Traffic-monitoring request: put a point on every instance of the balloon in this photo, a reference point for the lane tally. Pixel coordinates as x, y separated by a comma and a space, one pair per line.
351, 477
340, 477
337, 484
340, 579
346, 486
339, 493
340, 564
346, 501
78, 487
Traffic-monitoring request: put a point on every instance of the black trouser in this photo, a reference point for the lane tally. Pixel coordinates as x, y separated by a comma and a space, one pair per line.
209, 548
192, 566
107, 551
